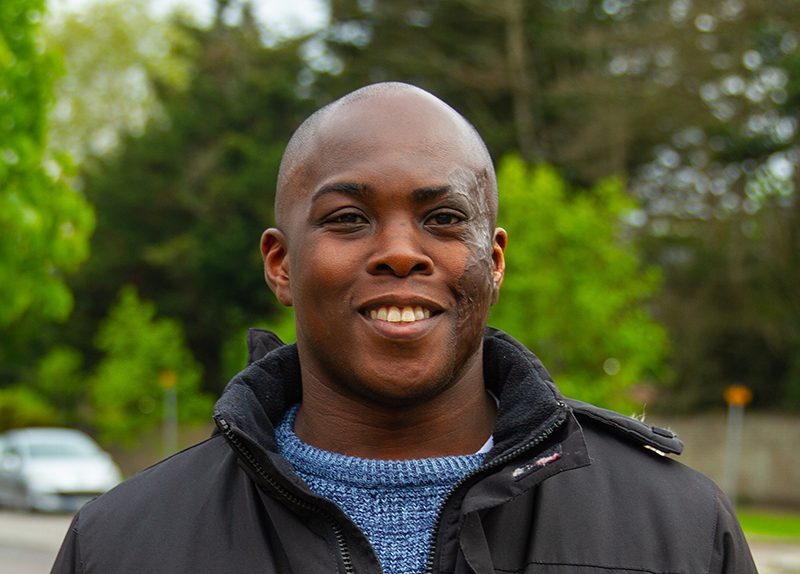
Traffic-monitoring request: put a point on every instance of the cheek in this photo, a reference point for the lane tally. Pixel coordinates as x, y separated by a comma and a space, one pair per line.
319, 273
476, 282
476, 285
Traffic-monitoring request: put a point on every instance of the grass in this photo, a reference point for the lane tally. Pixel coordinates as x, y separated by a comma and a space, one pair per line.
770, 524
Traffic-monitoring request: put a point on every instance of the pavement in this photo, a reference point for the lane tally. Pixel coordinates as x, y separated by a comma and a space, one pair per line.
775, 557
29, 544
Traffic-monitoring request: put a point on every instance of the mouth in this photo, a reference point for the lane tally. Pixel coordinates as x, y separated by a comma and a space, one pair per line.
401, 318
399, 313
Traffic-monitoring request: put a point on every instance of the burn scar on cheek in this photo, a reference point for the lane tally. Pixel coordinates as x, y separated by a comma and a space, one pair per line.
475, 288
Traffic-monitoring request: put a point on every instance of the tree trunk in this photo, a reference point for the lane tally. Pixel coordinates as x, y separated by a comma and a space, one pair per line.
520, 80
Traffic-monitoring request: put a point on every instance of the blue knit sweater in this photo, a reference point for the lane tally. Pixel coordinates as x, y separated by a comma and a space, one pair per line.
394, 502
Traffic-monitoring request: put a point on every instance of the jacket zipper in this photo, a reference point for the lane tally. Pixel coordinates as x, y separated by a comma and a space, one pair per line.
344, 552
546, 432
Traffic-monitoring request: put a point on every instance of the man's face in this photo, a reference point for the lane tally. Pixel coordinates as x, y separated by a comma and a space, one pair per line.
389, 256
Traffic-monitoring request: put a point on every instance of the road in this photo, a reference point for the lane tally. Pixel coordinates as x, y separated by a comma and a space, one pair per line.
29, 543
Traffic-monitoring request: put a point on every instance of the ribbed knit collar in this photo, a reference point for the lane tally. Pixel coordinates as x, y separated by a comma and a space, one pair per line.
370, 473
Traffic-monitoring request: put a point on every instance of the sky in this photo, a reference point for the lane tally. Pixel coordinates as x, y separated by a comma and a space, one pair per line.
282, 17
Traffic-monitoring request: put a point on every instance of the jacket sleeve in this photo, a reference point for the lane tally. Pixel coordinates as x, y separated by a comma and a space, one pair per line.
731, 553
68, 560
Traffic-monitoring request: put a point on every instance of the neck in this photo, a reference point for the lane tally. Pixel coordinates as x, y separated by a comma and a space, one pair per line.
457, 421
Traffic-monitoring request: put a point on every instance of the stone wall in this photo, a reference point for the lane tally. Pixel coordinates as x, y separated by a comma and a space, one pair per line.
769, 462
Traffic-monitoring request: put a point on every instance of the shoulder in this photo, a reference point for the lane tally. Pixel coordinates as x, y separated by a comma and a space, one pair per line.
635, 432
667, 513
167, 489
627, 445
632, 508
193, 512
634, 473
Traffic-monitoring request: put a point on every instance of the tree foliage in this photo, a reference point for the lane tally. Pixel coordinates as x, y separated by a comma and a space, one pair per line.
181, 206
115, 53
576, 290
677, 94
732, 303
51, 394
694, 105
45, 224
22, 407
139, 348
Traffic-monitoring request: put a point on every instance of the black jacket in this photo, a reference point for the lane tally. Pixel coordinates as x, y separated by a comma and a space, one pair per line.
568, 487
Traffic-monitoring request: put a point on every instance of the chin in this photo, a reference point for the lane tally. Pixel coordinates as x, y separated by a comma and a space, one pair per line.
405, 388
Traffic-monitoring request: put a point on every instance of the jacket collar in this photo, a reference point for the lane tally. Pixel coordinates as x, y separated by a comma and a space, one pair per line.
256, 399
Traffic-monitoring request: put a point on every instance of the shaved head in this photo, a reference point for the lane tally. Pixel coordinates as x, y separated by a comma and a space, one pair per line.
390, 107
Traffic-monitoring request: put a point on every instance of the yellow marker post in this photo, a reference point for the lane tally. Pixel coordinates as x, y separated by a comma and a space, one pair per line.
737, 397
168, 381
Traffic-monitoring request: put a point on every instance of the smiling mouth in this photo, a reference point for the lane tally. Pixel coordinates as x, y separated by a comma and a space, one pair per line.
396, 314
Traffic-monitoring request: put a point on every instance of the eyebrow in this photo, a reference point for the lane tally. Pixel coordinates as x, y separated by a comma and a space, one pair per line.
362, 191
424, 194
358, 190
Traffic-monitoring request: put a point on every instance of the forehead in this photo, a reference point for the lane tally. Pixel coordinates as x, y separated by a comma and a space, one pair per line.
390, 137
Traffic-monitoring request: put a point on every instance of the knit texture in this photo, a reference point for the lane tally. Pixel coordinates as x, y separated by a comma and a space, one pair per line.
393, 502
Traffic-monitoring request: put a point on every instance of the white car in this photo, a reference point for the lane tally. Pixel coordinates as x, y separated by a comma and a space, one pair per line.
53, 469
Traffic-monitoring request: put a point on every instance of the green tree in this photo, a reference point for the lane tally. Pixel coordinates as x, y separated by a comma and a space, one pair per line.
50, 394
695, 103
181, 206
139, 349
726, 137
60, 380
21, 407
45, 224
666, 92
535, 77
732, 305
576, 291
115, 53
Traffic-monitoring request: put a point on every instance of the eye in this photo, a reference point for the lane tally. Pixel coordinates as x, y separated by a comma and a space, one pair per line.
445, 218
349, 218
346, 218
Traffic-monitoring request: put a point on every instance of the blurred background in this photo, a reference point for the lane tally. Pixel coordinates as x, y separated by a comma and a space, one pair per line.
647, 155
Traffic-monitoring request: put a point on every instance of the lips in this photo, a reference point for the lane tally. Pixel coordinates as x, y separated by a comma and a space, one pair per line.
399, 314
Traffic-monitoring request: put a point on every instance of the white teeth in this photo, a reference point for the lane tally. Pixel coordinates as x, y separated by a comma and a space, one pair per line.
395, 314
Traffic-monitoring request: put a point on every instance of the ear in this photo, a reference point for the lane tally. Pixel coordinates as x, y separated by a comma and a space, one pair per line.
498, 260
276, 264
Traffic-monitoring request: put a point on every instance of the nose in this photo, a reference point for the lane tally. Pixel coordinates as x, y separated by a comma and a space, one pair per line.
399, 251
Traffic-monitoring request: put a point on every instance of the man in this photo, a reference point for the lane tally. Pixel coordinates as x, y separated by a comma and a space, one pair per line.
398, 434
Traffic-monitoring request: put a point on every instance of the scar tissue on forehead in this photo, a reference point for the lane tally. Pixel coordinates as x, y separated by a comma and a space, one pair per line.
470, 180
473, 187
